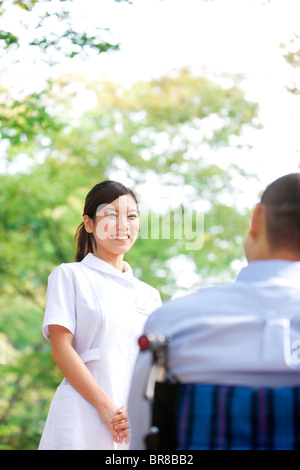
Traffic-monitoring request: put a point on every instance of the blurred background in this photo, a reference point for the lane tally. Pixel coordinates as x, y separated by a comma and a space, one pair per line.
192, 104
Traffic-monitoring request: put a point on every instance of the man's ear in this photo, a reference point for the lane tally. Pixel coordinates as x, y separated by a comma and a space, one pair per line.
256, 225
88, 223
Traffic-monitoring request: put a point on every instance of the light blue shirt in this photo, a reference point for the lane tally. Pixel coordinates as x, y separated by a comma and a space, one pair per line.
243, 333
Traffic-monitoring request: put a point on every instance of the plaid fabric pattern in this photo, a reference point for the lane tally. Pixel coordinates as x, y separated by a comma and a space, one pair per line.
238, 418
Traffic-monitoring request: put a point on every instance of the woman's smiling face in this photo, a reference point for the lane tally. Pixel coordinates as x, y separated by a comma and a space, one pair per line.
116, 226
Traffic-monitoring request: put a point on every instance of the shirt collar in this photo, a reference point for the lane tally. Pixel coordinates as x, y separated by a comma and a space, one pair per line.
96, 263
275, 271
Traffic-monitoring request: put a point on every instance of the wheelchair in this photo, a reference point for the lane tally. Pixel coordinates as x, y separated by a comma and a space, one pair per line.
216, 417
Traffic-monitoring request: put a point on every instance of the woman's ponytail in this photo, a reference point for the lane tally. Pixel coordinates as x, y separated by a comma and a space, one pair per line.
85, 243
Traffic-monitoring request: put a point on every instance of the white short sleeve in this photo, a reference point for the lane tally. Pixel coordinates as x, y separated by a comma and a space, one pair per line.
60, 307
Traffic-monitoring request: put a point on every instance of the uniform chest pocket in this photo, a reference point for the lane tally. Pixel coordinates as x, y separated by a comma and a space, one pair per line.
143, 308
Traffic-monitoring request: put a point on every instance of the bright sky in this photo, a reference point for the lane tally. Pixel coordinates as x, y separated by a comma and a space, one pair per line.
222, 36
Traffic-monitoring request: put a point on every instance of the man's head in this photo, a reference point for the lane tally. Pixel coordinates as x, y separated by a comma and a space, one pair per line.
275, 226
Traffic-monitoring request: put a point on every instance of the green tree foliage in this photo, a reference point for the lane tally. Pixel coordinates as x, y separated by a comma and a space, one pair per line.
23, 120
292, 56
66, 39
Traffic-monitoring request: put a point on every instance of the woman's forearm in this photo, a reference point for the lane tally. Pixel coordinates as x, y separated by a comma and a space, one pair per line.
79, 376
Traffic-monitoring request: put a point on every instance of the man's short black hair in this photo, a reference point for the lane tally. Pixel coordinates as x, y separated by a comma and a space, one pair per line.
282, 201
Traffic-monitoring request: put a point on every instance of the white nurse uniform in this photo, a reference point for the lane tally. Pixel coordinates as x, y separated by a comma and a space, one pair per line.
105, 309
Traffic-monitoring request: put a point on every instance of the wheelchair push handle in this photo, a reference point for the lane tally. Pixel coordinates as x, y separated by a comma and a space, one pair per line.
158, 345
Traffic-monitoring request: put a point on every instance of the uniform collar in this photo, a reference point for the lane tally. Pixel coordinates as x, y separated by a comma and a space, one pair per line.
275, 271
96, 263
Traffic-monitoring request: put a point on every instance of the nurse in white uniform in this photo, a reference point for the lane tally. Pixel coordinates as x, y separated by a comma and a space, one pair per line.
96, 310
